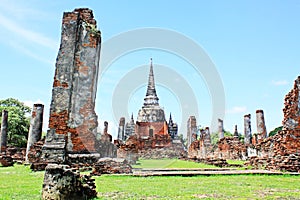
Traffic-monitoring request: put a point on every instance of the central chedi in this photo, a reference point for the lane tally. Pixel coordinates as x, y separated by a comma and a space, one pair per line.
151, 117
151, 136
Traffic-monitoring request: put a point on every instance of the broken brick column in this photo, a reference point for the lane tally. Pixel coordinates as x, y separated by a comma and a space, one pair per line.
247, 129
220, 128
4, 126
191, 130
72, 110
261, 126
36, 125
206, 137
121, 130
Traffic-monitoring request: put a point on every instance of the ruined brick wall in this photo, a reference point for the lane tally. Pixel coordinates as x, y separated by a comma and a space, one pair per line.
160, 146
200, 150
143, 129
282, 151
228, 148
231, 148
291, 110
75, 82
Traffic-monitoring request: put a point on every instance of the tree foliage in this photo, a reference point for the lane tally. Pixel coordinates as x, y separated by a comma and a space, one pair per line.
275, 131
18, 121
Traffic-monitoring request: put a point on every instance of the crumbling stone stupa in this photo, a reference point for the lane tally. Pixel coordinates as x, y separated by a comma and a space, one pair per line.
73, 121
150, 136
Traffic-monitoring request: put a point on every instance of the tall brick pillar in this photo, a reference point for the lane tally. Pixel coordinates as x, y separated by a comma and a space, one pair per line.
36, 125
72, 110
247, 129
121, 130
220, 128
261, 126
206, 137
191, 130
4, 126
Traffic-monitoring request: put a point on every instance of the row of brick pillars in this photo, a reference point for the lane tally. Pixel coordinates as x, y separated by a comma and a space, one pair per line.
35, 129
260, 121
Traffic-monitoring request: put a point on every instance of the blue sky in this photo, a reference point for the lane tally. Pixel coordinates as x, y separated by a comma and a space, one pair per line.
254, 46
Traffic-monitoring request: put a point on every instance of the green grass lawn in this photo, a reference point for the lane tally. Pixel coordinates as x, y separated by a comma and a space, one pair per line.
197, 187
20, 183
170, 163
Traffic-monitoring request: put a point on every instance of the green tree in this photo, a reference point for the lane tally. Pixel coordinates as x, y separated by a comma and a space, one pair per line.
182, 139
275, 131
18, 121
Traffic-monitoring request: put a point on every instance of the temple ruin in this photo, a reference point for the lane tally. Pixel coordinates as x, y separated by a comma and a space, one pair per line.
282, 151
150, 136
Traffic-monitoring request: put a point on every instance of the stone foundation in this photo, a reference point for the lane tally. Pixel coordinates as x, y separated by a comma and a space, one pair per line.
135, 148
111, 166
63, 183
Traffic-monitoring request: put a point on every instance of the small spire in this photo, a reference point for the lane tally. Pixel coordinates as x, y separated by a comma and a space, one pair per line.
132, 117
170, 119
151, 96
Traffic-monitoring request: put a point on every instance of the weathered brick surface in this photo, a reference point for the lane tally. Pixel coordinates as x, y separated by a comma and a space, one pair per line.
36, 125
72, 110
61, 182
158, 128
12, 155
291, 110
111, 166
282, 151
261, 126
231, 148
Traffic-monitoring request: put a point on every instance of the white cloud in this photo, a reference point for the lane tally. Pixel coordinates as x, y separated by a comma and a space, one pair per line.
28, 35
280, 82
20, 12
237, 109
29, 53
